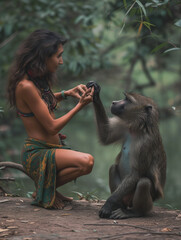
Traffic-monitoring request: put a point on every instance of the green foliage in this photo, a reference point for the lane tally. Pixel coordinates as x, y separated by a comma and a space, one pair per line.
141, 7
178, 23
162, 45
88, 196
72, 19
1, 110
172, 49
154, 17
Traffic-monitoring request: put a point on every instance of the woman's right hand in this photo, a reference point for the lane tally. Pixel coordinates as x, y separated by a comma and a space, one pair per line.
77, 91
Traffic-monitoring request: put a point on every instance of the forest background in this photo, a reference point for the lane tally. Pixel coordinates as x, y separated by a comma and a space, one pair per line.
129, 45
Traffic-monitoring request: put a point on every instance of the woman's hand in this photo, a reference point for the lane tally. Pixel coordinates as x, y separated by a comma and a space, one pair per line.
77, 91
86, 97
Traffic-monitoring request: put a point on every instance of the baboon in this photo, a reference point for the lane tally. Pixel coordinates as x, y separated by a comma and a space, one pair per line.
138, 176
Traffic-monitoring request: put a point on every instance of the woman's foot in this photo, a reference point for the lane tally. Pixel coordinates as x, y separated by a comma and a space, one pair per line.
34, 195
58, 204
63, 198
59, 200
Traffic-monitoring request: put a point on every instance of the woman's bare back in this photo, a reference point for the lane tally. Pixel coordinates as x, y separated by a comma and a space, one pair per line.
33, 126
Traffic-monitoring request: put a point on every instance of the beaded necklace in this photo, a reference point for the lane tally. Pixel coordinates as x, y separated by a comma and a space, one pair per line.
46, 93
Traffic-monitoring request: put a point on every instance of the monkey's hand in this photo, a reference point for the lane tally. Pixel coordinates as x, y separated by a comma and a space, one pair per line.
124, 213
107, 209
97, 89
120, 214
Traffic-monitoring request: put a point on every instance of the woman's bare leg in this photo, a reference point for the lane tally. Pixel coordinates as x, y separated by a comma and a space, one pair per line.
63, 198
71, 165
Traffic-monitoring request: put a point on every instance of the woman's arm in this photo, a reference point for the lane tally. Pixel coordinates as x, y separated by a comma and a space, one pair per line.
73, 92
32, 98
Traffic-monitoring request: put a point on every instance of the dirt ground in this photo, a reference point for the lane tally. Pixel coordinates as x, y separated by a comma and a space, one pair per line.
19, 220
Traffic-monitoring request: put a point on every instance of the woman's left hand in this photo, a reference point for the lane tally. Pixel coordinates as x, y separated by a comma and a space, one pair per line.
77, 91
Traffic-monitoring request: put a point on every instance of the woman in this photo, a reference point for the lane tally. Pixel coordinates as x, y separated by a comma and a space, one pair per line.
44, 158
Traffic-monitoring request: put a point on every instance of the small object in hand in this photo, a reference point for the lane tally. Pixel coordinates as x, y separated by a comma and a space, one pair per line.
97, 89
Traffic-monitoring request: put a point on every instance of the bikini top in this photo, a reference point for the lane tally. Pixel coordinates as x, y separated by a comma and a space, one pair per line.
22, 114
46, 94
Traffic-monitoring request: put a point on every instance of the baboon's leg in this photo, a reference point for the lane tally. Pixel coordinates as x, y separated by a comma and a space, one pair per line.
116, 200
142, 202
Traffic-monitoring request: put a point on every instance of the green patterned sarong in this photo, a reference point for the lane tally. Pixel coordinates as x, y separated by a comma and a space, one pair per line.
38, 159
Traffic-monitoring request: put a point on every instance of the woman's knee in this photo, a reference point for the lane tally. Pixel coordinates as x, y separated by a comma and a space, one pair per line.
87, 163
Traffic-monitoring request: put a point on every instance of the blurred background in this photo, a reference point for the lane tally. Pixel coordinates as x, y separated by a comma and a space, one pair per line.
129, 45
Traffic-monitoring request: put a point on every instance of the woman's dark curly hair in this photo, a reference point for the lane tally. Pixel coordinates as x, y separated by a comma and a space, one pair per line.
31, 56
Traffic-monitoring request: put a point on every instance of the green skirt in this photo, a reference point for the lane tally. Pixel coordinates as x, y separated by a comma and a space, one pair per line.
38, 159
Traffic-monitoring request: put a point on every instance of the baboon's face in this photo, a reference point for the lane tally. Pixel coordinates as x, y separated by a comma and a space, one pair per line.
134, 106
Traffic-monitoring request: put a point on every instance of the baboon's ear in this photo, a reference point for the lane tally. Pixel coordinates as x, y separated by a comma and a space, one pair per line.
148, 108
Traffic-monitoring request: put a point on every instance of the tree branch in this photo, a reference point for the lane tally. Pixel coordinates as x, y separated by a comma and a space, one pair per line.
151, 81
8, 40
128, 78
13, 165
119, 42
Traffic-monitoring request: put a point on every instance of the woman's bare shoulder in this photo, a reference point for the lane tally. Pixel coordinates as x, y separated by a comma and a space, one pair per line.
26, 89
25, 86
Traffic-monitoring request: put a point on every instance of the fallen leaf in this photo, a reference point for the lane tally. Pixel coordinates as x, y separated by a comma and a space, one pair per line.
12, 227
65, 214
36, 210
10, 220
3, 230
4, 200
166, 230
178, 217
68, 208
4, 234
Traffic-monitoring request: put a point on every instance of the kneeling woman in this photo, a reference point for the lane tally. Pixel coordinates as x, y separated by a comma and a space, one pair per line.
44, 158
